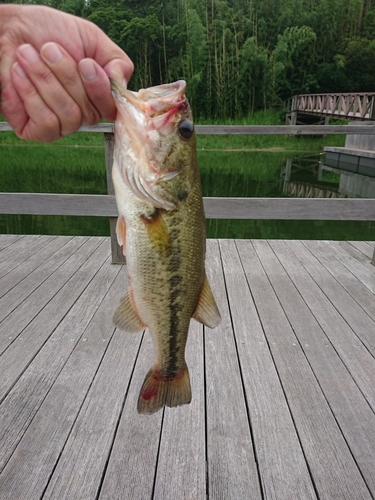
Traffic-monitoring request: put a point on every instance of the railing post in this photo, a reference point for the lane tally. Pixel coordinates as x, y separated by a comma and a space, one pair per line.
373, 258
116, 250
372, 108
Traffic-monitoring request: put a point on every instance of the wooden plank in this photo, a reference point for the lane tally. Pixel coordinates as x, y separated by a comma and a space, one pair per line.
348, 271
365, 247
131, 467
231, 464
20, 250
32, 281
29, 468
296, 130
27, 472
360, 322
215, 208
334, 472
181, 469
357, 253
353, 353
290, 208
58, 204
50, 247
79, 470
99, 127
282, 466
8, 239
246, 129
24, 332
351, 410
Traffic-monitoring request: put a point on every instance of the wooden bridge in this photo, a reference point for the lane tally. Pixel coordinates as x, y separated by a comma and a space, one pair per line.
352, 106
283, 389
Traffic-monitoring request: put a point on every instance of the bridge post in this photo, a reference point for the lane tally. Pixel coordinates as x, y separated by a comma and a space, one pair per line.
293, 118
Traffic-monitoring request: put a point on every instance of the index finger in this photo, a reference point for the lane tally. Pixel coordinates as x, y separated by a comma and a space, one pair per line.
115, 62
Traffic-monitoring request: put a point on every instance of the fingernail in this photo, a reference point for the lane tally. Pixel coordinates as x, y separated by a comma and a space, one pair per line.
51, 52
20, 72
87, 69
29, 53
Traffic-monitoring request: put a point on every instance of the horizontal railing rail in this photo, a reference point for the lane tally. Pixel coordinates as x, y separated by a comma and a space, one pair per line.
349, 209
293, 130
360, 209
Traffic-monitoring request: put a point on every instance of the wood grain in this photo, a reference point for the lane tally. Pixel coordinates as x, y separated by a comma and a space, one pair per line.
80, 467
181, 471
231, 463
215, 208
283, 389
343, 398
358, 360
132, 465
280, 459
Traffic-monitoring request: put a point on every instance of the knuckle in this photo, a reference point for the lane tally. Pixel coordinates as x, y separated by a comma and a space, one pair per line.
51, 126
72, 119
91, 116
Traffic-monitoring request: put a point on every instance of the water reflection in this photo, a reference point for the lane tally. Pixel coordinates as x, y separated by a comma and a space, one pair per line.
324, 176
224, 173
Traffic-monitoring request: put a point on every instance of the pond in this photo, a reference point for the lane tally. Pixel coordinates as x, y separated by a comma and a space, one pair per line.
236, 173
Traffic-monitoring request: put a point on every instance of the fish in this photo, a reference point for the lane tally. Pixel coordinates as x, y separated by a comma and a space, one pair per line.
161, 227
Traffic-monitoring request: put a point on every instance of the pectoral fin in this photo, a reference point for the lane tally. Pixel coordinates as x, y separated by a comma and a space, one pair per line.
121, 232
207, 311
126, 317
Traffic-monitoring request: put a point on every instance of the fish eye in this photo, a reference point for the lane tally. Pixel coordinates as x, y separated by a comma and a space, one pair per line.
186, 129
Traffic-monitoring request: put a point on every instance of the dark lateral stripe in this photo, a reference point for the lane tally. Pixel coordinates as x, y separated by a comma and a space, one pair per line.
174, 323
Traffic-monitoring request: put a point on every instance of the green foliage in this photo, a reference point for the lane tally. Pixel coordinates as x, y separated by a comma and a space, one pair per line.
240, 56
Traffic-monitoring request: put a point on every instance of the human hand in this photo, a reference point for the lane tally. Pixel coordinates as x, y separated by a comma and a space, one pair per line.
54, 70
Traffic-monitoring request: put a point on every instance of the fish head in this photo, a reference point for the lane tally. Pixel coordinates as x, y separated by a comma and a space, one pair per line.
155, 148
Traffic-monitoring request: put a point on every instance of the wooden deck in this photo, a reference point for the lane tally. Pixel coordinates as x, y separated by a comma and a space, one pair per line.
283, 390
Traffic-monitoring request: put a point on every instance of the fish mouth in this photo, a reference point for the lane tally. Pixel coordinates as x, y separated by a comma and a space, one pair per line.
153, 101
141, 115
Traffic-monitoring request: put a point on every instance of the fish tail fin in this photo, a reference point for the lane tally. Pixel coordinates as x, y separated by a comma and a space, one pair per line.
158, 391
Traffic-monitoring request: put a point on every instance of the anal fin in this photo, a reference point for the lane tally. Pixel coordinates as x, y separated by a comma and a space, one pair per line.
126, 317
207, 311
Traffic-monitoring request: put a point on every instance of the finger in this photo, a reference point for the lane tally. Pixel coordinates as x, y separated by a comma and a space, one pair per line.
107, 54
120, 70
31, 118
98, 88
57, 99
65, 70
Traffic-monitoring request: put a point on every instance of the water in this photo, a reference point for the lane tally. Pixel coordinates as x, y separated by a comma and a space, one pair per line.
223, 173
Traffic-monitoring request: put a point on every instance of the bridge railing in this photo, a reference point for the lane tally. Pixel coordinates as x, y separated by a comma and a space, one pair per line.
215, 208
350, 105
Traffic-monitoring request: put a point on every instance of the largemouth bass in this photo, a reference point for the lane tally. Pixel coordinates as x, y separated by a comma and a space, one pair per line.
161, 227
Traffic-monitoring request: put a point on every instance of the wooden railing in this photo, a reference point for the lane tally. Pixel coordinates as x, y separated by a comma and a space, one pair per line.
215, 208
354, 106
